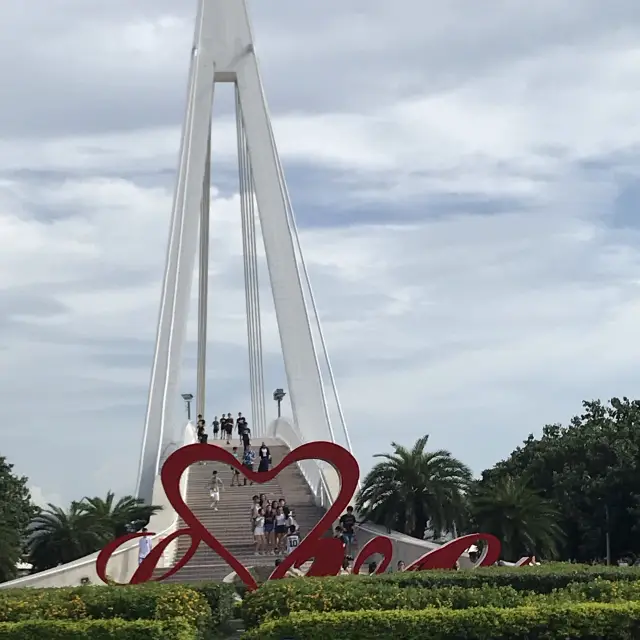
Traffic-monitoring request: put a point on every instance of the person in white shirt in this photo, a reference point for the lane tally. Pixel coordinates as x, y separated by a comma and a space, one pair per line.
293, 540
291, 521
258, 532
281, 530
215, 485
144, 546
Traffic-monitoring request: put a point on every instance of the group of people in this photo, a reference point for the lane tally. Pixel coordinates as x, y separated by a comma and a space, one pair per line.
246, 457
223, 428
274, 527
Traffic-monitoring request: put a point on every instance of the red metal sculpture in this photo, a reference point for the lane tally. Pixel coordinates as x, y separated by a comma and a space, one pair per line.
326, 553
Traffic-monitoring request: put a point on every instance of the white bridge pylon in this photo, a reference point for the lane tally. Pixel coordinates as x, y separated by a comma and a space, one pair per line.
223, 52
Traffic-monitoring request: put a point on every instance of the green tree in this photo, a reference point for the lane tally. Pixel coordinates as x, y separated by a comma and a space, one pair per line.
57, 536
523, 521
16, 510
590, 472
412, 488
115, 517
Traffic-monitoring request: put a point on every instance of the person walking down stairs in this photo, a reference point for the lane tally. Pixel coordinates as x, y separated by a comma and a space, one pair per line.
215, 485
247, 460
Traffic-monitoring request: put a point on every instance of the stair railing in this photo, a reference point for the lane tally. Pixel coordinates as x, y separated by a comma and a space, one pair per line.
311, 470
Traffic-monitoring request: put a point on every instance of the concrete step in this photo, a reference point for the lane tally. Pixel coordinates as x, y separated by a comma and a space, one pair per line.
231, 524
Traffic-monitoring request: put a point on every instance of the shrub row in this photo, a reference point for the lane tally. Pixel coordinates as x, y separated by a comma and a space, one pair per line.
588, 620
115, 629
539, 579
204, 606
352, 594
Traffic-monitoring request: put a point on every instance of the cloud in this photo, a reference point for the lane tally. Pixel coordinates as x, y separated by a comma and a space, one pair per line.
464, 183
42, 499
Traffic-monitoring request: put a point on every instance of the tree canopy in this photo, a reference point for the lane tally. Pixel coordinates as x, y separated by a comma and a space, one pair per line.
412, 488
523, 521
57, 536
16, 511
589, 471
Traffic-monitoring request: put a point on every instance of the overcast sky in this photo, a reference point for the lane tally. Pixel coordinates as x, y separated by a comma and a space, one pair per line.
464, 176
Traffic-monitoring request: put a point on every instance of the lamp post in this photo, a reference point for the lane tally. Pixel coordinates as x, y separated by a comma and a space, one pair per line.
278, 396
188, 397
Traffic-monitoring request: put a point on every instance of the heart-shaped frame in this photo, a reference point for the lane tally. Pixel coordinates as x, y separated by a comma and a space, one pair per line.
327, 553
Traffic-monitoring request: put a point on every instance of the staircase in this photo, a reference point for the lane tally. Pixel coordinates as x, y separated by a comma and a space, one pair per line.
231, 524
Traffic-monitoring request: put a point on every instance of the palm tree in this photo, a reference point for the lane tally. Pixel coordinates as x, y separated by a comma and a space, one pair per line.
116, 518
523, 521
413, 488
56, 536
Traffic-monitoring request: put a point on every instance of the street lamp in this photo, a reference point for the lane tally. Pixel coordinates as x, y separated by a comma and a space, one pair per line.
188, 397
278, 396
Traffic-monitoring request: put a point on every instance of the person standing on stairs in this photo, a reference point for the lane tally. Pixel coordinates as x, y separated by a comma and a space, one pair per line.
281, 530
241, 424
202, 438
227, 425
246, 438
265, 458
269, 527
258, 532
293, 540
216, 428
215, 485
255, 507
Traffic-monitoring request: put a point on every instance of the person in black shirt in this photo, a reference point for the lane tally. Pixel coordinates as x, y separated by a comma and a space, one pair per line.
241, 424
265, 457
202, 437
216, 427
246, 438
228, 426
348, 524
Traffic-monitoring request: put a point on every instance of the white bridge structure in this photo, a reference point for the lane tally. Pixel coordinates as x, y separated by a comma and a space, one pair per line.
223, 52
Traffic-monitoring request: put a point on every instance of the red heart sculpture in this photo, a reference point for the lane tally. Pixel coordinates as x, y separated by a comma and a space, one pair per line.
446, 556
327, 553
380, 545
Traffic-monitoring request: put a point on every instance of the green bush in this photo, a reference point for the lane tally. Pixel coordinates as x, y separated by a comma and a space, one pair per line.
207, 605
114, 629
596, 591
539, 579
137, 602
221, 599
290, 596
590, 620
283, 597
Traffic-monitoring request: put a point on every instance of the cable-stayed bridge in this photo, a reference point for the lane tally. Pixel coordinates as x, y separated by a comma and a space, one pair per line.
223, 52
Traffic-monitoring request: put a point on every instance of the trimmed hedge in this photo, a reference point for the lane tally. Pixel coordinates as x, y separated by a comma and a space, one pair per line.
115, 629
221, 599
590, 620
268, 603
538, 579
205, 606
285, 597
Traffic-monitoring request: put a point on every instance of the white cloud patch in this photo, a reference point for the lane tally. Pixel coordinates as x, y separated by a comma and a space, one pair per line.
475, 286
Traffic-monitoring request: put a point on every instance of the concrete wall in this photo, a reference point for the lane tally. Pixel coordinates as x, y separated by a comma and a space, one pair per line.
124, 561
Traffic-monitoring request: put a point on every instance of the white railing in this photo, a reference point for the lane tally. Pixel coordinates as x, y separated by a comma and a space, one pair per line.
125, 560
312, 472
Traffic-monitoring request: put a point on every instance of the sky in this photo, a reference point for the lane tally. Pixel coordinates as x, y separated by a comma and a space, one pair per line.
465, 180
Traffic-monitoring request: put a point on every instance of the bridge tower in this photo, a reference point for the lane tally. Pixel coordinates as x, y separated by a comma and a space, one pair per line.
223, 52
